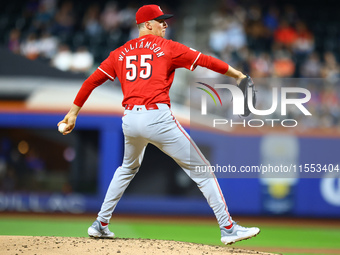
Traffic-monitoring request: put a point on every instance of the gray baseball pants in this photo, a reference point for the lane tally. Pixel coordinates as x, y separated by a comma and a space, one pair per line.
159, 127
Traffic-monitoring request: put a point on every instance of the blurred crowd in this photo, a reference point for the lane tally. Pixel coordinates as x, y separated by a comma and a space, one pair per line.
70, 35
264, 41
273, 43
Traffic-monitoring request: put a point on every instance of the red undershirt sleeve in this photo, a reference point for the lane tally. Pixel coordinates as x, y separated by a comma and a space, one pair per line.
212, 63
94, 80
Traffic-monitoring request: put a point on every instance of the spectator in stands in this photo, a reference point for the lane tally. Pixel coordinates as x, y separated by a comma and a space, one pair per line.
283, 66
14, 41
63, 59
30, 47
48, 45
82, 60
329, 98
271, 19
217, 40
91, 23
311, 67
227, 34
289, 14
235, 34
304, 43
110, 17
329, 101
254, 13
330, 68
43, 16
133, 32
259, 37
127, 17
285, 34
64, 19
50, 5
261, 66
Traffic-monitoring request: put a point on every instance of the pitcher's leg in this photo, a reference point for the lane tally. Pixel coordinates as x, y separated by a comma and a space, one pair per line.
133, 156
188, 156
211, 190
206, 181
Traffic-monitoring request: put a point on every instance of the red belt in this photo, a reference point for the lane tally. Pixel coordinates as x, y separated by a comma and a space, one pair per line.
147, 107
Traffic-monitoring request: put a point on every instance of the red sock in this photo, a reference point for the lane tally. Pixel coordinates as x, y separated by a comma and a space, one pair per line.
229, 227
104, 224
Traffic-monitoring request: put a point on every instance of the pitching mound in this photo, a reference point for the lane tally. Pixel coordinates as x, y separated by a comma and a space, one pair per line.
46, 245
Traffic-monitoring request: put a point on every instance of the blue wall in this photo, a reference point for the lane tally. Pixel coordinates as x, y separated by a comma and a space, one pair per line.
247, 195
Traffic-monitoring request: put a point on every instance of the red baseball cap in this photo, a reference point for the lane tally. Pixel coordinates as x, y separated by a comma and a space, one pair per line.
150, 12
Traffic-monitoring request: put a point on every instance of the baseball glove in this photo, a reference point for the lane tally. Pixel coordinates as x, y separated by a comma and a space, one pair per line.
244, 85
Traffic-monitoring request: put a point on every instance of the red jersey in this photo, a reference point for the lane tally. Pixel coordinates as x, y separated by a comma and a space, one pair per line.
145, 67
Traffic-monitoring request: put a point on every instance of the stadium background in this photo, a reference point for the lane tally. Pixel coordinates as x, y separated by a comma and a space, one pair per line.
49, 47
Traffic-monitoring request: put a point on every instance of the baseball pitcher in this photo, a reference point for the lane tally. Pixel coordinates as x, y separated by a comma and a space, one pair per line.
145, 67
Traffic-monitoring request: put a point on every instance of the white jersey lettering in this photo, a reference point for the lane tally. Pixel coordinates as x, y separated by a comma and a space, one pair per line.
147, 45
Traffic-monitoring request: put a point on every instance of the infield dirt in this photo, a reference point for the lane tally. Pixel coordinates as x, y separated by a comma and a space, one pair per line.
46, 245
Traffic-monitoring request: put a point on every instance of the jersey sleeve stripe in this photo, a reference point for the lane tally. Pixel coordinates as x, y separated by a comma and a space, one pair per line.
106, 74
193, 64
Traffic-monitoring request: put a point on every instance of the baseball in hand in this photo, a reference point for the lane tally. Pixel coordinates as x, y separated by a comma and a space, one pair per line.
61, 127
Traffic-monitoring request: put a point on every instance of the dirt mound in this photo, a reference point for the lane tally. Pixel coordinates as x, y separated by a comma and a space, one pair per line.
46, 245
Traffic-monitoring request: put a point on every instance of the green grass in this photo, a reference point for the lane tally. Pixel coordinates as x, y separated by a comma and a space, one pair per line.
207, 233
270, 236
42, 227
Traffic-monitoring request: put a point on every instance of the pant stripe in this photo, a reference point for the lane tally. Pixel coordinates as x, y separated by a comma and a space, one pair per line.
202, 157
226, 207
